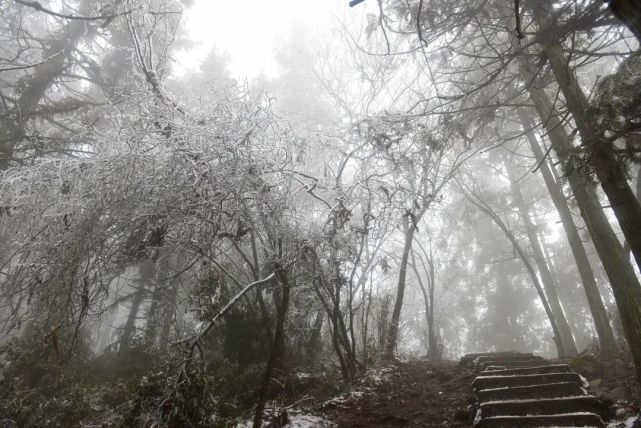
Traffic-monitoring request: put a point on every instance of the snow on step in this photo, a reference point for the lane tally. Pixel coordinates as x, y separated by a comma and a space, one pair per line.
523, 390
517, 357
545, 406
470, 358
583, 419
552, 368
485, 382
511, 363
547, 390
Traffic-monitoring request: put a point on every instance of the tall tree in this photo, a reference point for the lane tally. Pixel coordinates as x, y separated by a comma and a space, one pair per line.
597, 308
610, 169
549, 284
623, 279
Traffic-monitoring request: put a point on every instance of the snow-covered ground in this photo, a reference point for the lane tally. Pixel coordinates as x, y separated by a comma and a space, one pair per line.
298, 418
628, 423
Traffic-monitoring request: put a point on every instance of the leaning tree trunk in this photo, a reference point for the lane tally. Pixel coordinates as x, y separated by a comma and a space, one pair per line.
607, 341
625, 285
569, 345
535, 280
609, 169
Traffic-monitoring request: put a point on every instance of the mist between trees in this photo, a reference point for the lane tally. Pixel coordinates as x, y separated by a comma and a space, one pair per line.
421, 178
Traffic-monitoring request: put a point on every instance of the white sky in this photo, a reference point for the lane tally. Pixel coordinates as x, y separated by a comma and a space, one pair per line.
249, 30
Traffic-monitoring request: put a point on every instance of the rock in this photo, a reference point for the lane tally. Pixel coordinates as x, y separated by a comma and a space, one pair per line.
595, 383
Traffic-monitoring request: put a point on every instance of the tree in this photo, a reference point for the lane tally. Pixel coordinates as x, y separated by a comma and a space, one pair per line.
549, 284
597, 308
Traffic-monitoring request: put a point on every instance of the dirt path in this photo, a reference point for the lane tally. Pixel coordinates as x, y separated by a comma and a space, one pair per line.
410, 394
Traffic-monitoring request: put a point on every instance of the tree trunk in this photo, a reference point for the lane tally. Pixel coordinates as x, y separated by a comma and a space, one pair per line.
569, 345
130, 325
628, 11
433, 350
625, 285
392, 335
277, 349
608, 168
13, 122
315, 344
169, 312
535, 280
428, 305
607, 341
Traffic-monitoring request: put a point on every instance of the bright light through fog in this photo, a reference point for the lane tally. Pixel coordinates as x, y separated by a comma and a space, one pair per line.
249, 31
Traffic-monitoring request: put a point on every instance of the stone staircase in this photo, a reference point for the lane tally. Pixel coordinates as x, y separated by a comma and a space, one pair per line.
522, 390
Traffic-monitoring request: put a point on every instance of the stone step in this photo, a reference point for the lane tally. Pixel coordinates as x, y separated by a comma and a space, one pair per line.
468, 359
553, 368
565, 420
485, 382
516, 357
545, 406
506, 363
548, 390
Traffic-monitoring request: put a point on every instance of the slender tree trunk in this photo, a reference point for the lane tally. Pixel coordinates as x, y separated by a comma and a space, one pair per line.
530, 269
566, 337
392, 335
169, 312
625, 285
338, 334
367, 297
426, 301
639, 184
130, 326
433, 350
277, 348
382, 322
609, 169
607, 341
267, 322
315, 345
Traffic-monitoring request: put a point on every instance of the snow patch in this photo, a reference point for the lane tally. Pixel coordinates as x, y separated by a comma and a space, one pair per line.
298, 418
628, 423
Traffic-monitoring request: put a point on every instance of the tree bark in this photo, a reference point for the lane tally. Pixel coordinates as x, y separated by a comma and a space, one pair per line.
566, 337
625, 285
607, 341
277, 349
609, 170
392, 335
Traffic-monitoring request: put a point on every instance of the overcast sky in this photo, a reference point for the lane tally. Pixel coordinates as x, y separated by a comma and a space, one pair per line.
249, 30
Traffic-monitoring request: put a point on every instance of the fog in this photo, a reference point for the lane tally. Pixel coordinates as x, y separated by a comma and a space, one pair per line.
200, 200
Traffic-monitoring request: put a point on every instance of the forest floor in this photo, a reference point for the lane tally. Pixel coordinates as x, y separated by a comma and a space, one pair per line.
423, 393
408, 394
